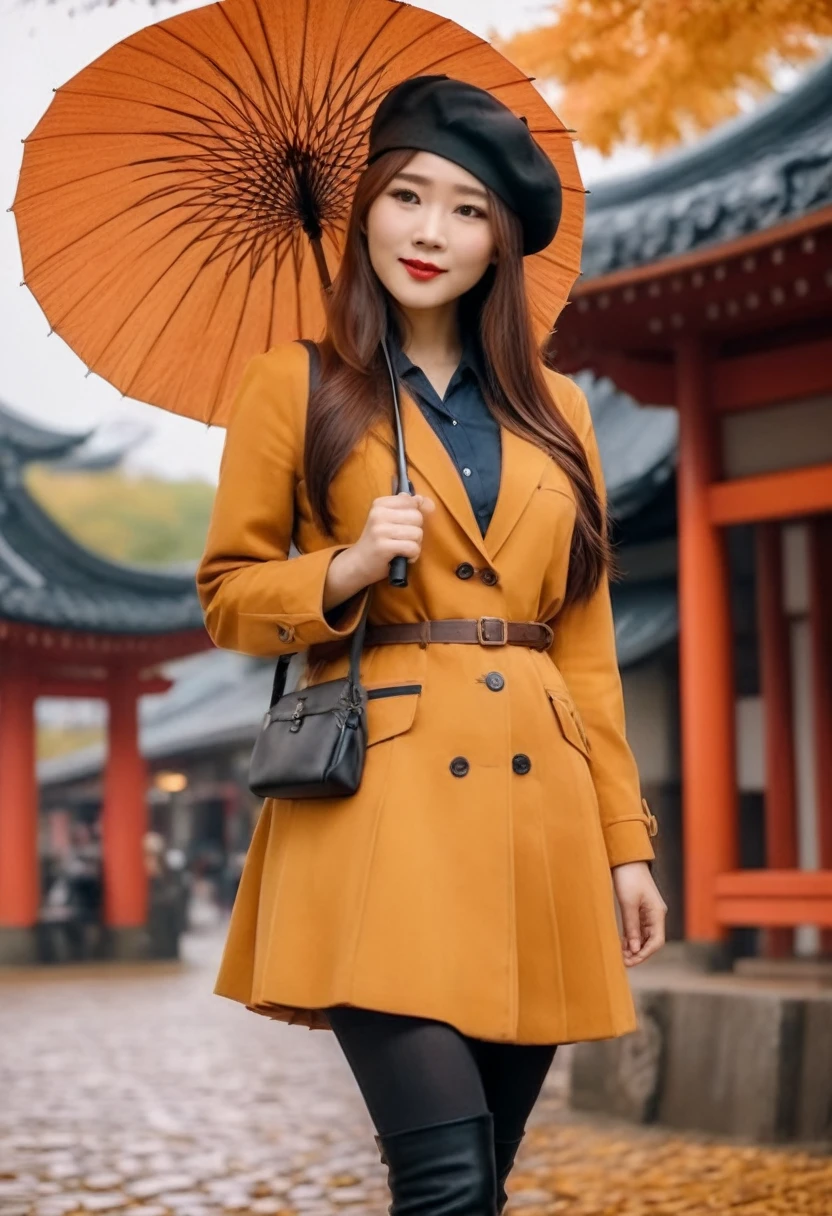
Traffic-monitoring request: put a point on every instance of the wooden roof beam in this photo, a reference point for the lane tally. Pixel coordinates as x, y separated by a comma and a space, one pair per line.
804, 491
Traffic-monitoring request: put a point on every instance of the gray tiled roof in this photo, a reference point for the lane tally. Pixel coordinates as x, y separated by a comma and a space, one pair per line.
31, 441
47, 578
754, 172
637, 444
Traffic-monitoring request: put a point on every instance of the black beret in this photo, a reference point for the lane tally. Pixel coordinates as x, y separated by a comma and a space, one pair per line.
468, 126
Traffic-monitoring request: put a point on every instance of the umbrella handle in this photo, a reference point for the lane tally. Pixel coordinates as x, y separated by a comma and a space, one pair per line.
398, 566
398, 572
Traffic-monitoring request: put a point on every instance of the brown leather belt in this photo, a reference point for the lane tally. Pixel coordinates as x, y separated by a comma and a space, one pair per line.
485, 631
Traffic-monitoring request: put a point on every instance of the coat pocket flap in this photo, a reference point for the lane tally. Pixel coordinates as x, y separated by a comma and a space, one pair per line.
572, 728
391, 709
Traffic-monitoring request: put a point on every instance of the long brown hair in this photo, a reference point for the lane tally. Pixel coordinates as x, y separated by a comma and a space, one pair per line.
354, 387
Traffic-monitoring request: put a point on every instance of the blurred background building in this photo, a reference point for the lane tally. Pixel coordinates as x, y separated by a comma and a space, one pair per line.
75, 625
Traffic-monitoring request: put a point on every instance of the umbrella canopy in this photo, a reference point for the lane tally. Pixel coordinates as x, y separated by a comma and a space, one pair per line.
184, 197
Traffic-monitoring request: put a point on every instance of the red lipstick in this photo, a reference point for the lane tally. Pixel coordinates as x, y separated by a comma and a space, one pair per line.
421, 270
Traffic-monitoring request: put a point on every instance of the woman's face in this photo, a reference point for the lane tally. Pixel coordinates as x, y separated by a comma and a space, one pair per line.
433, 212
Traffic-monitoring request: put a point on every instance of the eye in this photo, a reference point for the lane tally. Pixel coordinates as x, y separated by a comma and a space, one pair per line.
400, 191
475, 210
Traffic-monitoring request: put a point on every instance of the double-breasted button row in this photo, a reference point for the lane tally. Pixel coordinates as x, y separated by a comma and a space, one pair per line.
521, 764
488, 576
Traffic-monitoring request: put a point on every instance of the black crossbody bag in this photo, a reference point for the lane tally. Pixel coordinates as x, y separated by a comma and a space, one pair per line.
313, 741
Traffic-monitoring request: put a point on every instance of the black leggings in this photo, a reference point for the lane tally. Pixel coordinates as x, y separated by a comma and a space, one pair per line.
415, 1071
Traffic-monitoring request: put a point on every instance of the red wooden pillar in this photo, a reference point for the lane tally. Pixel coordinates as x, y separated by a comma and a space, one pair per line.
19, 866
710, 822
124, 820
820, 632
776, 681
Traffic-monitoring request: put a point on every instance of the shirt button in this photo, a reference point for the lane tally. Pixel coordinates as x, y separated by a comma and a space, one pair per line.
489, 577
495, 681
467, 472
464, 570
521, 763
453, 422
459, 766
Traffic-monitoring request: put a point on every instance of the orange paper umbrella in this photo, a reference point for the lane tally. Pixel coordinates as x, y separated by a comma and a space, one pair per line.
184, 198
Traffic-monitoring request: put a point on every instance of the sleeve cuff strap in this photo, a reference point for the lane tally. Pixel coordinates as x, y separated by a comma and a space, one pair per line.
629, 840
301, 618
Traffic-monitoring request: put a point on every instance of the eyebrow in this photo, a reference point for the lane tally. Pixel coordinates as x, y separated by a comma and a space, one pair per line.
419, 180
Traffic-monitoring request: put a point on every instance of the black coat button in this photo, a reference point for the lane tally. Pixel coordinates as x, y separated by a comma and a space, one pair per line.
464, 570
521, 763
459, 766
489, 577
495, 681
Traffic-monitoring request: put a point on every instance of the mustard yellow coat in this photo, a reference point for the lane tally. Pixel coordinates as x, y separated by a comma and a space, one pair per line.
485, 900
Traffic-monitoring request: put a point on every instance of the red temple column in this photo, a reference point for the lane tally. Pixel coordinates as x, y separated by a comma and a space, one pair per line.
124, 821
776, 682
820, 632
19, 865
709, 798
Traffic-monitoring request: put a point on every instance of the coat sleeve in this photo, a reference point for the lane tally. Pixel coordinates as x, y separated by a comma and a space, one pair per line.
584, 651
254, 598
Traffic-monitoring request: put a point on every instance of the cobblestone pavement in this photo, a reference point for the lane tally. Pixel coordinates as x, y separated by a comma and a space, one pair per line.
134, 1089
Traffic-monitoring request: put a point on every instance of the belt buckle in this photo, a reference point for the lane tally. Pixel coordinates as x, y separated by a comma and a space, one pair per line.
483, 640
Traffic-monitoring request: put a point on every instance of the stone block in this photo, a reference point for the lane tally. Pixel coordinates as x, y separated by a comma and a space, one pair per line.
18, 946
732, 1064
814, 1109
622, 1076
714, 1055
127, 944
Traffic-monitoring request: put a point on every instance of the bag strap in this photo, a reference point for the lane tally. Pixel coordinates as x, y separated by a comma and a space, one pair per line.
314, 361
357, 640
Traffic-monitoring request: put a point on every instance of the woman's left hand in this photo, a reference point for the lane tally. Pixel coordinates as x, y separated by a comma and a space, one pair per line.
643, 911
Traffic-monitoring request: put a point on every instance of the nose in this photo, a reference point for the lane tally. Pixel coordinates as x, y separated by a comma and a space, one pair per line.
430, 232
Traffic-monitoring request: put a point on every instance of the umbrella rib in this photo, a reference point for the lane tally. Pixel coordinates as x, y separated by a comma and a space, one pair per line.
201, 120
219, 390
270, 333
201, 80
93, 288
139, 101
303, 48
268, 91
171, 313
112, 218
77, 181
222, 71
224, 366
352, 68
327, 97
297, 265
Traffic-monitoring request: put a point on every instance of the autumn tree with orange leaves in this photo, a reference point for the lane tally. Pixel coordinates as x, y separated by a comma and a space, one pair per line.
655, 72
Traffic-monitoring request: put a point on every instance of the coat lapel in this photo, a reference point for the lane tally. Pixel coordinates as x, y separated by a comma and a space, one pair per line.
521, 466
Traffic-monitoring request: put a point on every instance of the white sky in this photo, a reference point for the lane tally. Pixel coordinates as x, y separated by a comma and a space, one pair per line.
42, 46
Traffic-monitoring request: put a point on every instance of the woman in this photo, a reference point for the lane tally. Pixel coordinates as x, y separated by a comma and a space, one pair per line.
453, 921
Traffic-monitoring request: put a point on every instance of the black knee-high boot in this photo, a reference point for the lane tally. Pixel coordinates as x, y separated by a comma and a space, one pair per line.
444, 1169
504, 1153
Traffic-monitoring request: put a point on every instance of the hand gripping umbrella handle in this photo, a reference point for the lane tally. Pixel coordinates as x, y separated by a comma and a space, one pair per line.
398, 566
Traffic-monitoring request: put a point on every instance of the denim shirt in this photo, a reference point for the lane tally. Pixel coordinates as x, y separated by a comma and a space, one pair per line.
463, 422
